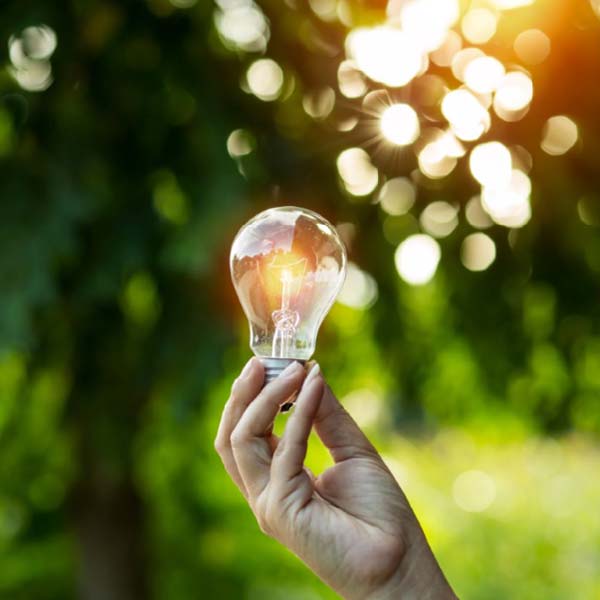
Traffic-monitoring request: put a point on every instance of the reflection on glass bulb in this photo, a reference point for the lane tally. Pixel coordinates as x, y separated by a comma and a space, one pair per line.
287, 265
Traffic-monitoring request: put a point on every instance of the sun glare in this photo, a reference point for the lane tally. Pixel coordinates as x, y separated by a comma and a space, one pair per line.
400, 124
443, 117
377, 53
428, 21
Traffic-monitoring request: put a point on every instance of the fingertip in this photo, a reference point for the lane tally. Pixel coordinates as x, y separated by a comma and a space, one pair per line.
249, 368
249, 382
257, 370
313, 372
288, 381
312, 392
292, 371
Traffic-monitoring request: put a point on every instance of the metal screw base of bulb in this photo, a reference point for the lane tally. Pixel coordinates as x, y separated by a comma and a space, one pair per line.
273, 369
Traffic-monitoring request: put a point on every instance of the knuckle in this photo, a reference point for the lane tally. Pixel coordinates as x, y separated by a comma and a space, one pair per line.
220, 445
233, 396
237, 438
264, 518
280, 450
264, 525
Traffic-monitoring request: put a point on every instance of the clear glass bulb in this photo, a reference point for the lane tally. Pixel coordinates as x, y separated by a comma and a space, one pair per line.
287, 265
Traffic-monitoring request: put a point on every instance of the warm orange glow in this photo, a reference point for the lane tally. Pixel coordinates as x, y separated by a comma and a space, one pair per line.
479, 25
444, 55
282, 271
532, 46
508, 4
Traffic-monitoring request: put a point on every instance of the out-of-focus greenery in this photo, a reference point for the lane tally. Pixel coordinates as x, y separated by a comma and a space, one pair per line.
120, 334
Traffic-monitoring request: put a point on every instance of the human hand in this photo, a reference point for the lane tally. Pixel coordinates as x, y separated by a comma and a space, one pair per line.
352, 525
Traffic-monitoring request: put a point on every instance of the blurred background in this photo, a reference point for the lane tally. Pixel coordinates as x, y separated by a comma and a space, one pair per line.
455, 146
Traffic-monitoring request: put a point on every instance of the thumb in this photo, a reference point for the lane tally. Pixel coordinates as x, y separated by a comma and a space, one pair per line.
339, 431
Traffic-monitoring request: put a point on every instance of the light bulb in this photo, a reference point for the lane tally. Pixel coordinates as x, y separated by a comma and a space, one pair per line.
287, 265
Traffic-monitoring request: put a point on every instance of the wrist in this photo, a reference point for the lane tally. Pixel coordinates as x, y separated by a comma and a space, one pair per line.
419, 577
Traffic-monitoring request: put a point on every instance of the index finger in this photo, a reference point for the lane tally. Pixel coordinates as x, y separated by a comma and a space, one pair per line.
251, 449
244, 390
339, 432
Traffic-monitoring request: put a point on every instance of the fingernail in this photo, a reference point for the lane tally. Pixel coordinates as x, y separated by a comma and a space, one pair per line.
291, 370
312, 373
248, 368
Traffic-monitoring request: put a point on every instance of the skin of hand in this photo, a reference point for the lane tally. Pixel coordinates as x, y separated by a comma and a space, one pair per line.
352, 525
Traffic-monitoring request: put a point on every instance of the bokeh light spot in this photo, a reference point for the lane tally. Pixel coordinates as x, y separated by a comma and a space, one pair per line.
30, 54
509, 4
491, 164
559, 136
479, 25
468, 118
169, 200
39, 42
265, 79
183, 3
242, 26
400, 124
376, 50
439, 219
445, 54
484, 74
532, 46
428, 21
461, 61
240, 143
417, 259
324, 9
478, 252
365, 406
509, 205
318, 104
359, 290
474, 491
351, 81
514, 92
359, 175
397, 196
476, 215
434, 162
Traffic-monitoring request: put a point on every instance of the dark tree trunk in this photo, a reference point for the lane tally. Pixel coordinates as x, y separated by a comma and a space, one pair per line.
109, 527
